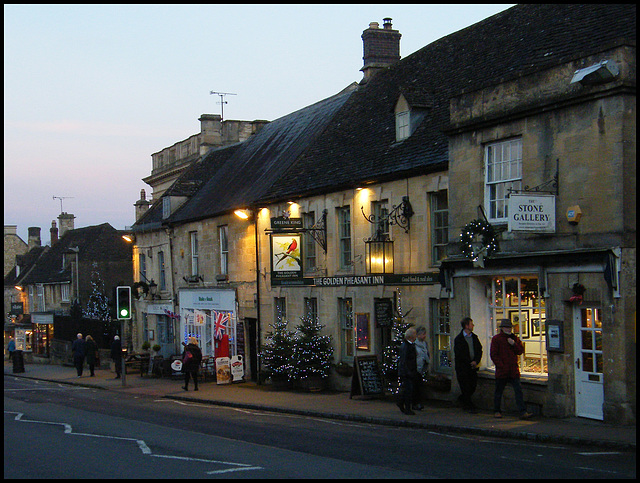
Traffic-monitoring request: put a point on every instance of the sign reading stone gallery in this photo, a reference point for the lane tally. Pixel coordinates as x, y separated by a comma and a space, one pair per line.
532, 212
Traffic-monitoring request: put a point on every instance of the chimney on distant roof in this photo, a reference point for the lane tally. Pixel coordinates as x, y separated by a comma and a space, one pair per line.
381, 48
34, 237
54, 232
142, 205
66, 222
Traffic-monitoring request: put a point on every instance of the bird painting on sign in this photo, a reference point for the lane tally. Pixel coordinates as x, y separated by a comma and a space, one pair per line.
286, 252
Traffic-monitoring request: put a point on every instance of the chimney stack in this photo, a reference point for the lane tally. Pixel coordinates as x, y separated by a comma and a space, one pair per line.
66, 222
54, 232
142, 205
381, 48
34, 237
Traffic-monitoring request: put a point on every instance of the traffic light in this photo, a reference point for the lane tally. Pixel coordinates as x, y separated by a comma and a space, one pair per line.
123, 302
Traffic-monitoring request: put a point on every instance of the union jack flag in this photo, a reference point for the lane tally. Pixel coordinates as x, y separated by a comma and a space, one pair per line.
220, 325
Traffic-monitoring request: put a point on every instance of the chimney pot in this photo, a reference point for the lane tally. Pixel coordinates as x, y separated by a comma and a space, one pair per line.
374, 25
387, 23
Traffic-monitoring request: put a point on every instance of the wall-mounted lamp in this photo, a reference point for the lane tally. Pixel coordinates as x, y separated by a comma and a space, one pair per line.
153, 290
243, 213
18, 287
379, 254
128, 238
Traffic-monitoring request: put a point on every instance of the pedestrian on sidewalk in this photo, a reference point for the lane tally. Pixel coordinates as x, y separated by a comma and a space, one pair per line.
191, 359
116, 355
407, 371
11, 348
92, 351
505, 349
78, 350
467, 355
422, 364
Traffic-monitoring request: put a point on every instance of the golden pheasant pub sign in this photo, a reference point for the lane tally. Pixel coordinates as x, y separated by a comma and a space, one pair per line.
286, 243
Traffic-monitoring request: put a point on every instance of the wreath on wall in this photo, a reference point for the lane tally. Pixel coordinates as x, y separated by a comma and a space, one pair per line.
476, 228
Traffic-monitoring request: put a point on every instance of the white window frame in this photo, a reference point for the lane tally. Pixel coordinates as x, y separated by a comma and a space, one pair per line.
193, 235
439, 225
223, 235
503, 172
64, 292
403, 125
344, 236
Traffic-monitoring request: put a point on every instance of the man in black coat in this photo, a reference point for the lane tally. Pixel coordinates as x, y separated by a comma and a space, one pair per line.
407, 371
79, 351
467, 353
116, 355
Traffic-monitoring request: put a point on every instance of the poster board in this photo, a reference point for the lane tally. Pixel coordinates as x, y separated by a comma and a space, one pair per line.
367, 377
223, 370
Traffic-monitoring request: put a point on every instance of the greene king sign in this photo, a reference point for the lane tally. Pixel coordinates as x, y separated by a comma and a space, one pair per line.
532, 212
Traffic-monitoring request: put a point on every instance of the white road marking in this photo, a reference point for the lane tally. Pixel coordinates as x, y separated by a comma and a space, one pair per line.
141, 445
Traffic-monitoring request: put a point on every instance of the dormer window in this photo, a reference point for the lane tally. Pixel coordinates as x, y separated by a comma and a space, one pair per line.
408, 118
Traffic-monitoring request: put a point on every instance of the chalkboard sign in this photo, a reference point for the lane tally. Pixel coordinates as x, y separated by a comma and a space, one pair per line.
383, 310
367, 377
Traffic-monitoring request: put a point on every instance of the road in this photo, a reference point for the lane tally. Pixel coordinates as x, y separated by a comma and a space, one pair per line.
59, 431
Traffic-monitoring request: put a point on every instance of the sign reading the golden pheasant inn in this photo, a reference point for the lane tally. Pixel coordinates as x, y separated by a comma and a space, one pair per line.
532, 212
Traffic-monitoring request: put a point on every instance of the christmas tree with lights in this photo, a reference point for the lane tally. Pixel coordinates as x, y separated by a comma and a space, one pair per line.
277, 353
98, 303
390, 353
312, 352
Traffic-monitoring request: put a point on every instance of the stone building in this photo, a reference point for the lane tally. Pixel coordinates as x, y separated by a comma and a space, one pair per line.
496, 166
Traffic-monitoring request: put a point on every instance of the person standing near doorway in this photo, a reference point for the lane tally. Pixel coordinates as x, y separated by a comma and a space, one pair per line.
505, 349
467, 354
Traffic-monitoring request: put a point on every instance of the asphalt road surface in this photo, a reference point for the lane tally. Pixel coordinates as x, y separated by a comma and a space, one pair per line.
59, 431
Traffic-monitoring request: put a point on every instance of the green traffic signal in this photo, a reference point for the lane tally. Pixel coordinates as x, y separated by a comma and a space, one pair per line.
123, 302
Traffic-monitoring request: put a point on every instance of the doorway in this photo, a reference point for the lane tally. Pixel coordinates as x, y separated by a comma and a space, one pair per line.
589, 370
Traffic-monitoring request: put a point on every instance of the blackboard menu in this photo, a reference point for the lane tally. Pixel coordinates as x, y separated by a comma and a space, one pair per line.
367, 376
383, 310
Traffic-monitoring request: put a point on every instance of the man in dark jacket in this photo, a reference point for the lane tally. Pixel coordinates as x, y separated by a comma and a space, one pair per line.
116, 355
407, 371
78, 350
467, 355
505, 349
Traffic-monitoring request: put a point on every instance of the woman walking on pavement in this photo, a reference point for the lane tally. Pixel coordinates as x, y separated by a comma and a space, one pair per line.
191, 359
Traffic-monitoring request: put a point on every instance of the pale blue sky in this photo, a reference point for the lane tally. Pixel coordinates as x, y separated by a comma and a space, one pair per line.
91, 91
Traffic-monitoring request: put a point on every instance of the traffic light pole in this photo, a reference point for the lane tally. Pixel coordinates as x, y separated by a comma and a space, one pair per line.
122, 359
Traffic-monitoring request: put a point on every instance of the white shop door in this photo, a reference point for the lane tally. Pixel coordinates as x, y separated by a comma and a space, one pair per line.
589, 362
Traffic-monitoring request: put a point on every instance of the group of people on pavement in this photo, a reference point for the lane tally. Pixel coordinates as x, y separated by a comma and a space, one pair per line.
87, 349
504, 351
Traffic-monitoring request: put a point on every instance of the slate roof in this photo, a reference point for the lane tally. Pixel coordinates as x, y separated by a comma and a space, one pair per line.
359, 145
96, 243
249, 173
26, 262
188, 183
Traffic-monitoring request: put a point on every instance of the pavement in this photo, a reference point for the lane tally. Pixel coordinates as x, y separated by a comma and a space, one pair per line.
437, 416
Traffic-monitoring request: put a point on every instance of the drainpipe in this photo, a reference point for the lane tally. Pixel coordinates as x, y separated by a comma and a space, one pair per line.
258, 331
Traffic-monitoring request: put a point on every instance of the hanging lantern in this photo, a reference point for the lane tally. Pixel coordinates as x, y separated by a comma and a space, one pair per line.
379, 255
